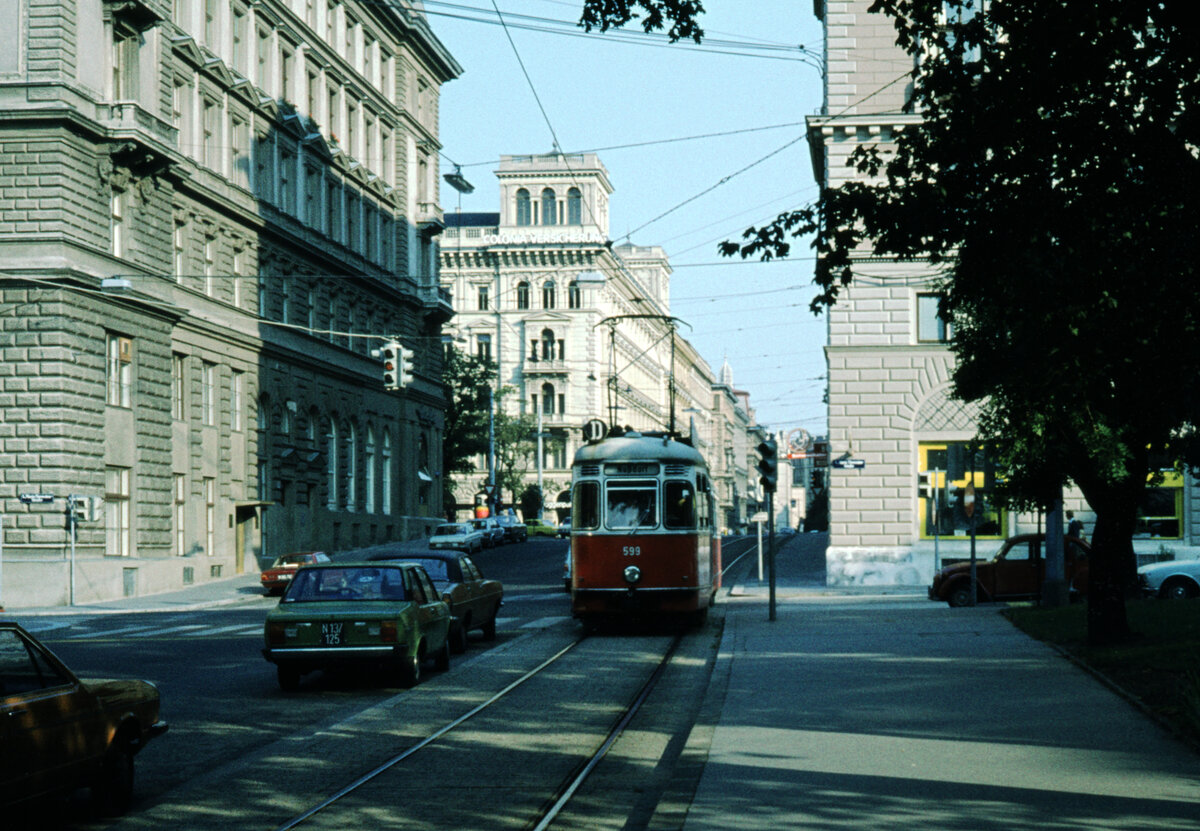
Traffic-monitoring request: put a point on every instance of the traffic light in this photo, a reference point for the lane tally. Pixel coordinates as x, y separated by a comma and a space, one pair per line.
390, 353
406, 366
768, 464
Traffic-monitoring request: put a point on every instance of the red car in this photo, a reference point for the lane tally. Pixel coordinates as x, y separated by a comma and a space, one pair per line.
1015, 572
276, 579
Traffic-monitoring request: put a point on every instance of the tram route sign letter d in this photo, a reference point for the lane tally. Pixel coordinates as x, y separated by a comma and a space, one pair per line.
768, 465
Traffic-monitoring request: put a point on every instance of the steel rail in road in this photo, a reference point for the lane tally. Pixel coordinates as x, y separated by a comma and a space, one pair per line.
563, 794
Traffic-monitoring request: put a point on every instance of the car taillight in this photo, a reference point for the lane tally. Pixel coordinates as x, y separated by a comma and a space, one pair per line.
387, 631
275, 633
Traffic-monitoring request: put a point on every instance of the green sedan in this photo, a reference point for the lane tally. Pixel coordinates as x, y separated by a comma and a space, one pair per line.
385, 615
538, 528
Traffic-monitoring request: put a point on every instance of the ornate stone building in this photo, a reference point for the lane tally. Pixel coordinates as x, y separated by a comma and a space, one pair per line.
212, 211
579, 327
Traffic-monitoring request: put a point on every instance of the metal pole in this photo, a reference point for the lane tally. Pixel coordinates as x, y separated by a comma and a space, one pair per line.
71, 527
760, 557
540, 450
771, 549
491, 495
1, 562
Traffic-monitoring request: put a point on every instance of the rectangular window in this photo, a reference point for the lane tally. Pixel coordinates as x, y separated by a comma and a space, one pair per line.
237, 395
210, 264
931, 326
312, 196
212, 32
1160, 510
180, 513
948, 468
287, 162
483, 347
679, 504
210, 125
208, 394
239, 41
117, 495
210, 515
482, 298
117, 208
631, 503
125, 70
179, 254
239, 152
178, 390
120, 371
585, 506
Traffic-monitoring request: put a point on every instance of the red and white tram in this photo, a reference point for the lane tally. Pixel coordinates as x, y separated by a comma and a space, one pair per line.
642, 540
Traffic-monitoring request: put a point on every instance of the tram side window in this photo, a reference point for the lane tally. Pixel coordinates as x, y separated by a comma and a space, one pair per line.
585, 506
679, 505
632, 504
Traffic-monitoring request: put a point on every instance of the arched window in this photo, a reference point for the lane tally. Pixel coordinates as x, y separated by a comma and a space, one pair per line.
574, 207
548, 295
549, 207
331, 465
386, 466
369, 462
547, 345
574, 296
352, 467
547, 399
524, 208
522, 295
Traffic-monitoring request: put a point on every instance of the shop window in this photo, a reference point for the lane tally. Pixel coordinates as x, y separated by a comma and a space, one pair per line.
1160, 510
949, 467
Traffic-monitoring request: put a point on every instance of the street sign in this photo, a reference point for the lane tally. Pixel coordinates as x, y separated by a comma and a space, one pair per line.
36, 498
761, 516
849, 464
969, 500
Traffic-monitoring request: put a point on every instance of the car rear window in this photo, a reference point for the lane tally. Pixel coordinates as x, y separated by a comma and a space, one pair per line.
435, 568
348, 583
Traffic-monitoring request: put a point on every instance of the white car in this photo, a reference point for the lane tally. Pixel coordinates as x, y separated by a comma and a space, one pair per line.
1171, 580
457, 536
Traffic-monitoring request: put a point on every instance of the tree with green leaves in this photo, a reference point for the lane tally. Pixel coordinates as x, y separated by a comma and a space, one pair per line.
682, 16
1054, 184
469, 380
515, 447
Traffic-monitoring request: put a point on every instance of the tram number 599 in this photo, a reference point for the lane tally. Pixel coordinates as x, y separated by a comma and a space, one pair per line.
631, 551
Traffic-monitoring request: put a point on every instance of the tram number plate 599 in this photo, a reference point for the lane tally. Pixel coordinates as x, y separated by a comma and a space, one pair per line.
331, 633
631, 551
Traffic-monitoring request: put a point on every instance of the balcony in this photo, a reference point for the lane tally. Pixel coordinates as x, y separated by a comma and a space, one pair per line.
437, 302
430, 220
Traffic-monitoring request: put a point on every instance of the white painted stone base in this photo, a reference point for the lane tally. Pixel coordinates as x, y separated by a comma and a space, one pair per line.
877, 566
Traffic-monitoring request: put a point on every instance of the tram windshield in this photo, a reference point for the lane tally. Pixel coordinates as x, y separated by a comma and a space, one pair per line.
585, 506
632, 504
679, 504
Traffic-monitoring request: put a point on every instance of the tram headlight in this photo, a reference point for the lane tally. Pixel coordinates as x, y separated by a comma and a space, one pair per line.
632, 574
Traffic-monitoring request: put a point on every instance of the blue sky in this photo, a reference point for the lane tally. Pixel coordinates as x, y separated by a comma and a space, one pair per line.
602, 92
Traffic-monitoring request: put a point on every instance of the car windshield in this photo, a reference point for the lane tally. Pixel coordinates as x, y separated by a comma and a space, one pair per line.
447, 530
292, 560
348, 583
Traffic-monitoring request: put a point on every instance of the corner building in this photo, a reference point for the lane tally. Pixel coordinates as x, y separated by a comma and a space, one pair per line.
890, 363
579, 327
211, 211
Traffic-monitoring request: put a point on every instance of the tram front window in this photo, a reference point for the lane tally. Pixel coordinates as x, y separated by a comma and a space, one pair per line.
679, 505
585, 506
632, 504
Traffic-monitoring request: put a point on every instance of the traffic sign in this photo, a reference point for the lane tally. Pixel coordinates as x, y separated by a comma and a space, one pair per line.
849, 464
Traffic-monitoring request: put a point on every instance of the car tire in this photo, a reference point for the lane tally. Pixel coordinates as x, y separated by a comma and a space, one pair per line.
1178, 590
489, 628
409, 671
441, 661
960, 595
112, 791
289, 678
458, 638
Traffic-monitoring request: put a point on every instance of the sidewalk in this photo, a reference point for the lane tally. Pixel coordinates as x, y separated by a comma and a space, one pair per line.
894, 712
229, 591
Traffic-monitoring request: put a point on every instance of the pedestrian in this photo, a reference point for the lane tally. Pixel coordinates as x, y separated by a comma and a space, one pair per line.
1074, 526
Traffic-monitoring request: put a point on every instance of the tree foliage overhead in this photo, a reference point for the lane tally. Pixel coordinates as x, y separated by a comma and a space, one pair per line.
654, 14
1053, 185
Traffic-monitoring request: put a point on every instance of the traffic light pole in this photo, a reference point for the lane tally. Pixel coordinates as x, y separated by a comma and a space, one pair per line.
771, 552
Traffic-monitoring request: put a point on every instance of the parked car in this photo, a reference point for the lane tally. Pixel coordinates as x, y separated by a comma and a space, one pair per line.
493, 534
275, 579
538, 528
377, 615
564, 528
474, 600
1171, 580
514, 529
1015, 571
456, 536
59, 732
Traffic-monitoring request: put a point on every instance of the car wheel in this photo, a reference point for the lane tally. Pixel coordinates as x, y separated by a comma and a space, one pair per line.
1178, 590
289, 678
960, 595
458, 638
441, 660
409, 671
112, 791
489, 628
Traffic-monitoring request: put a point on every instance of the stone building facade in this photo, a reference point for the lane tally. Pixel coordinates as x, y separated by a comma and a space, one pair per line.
890, 364
579, 327
211, 211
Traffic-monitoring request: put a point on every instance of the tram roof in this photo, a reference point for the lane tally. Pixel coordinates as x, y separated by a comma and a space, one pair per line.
636, 447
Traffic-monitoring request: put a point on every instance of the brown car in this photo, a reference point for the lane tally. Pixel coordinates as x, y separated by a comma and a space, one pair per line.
1015, 572
474, 601
59, 733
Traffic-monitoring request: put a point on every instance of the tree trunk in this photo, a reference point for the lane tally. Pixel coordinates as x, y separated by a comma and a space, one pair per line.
1112, 569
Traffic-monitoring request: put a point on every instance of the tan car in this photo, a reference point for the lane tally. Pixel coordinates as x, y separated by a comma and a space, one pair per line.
1015, 572
474, 600
59, 733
